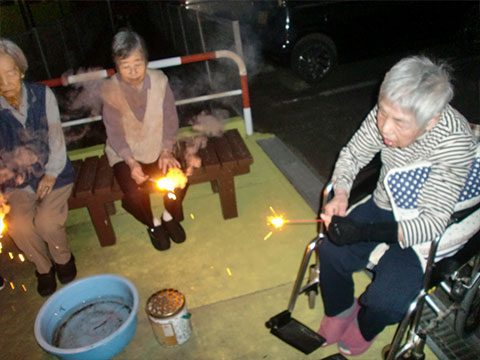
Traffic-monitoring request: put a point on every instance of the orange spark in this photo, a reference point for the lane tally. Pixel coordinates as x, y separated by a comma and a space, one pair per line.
171, 196
11, 255
4, 209
24, 288
12, 286
21, 257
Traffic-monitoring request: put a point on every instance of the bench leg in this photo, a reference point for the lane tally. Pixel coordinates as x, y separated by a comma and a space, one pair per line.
226, 190
214, 186
101, 223
110, 207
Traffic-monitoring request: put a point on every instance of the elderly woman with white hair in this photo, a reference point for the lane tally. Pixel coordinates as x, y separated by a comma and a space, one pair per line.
35, 172
411, 122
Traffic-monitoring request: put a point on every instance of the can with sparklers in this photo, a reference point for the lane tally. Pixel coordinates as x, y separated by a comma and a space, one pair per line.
169, 317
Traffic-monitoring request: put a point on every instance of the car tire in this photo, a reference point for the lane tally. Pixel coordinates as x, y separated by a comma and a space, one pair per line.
313, 57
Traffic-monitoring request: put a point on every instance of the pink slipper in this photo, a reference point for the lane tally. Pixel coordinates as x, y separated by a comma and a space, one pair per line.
352, 341
332, 328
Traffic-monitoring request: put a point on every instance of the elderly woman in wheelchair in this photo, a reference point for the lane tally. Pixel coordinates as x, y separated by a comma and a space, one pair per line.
427, 151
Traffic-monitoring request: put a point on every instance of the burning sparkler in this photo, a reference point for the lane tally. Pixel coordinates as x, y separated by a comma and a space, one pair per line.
278, 221
175, 178
4, 209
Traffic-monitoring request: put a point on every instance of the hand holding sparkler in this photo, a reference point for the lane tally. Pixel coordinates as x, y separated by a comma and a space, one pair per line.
136, 171
167, 161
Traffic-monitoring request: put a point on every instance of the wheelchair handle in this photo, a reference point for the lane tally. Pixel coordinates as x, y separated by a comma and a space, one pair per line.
327, 195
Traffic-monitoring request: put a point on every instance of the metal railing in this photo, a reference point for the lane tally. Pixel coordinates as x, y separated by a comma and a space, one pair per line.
165, 63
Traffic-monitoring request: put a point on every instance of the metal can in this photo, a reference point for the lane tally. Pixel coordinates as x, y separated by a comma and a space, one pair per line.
169, 317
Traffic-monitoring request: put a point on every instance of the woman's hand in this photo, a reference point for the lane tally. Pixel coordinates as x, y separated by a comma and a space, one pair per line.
167, 161
45, 186
136, 171
337, 206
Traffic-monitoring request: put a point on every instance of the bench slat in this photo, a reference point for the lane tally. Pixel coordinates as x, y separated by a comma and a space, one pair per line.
209, 157
239, 149
104, 177
86, 177
224, 152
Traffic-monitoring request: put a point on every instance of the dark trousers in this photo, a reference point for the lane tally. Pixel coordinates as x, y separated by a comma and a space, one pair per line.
136, 198
397, 278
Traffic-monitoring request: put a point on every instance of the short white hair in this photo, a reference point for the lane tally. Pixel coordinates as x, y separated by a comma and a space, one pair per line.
419, 86
8, 47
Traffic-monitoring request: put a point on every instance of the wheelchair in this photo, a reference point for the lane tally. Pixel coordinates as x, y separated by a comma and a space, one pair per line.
451, 262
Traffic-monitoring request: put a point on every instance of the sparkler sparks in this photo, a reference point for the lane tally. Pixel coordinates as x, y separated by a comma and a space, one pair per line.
4, 209
278, 221
175, 178
2, 224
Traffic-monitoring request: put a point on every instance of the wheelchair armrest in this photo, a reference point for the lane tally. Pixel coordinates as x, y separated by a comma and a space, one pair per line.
462, 214
446, 266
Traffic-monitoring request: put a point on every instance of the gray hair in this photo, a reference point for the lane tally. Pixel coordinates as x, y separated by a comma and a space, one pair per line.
419, 86
8, 47
125, 42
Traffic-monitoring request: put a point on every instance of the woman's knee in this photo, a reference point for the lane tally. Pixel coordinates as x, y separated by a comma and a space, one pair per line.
329, 253
46, 222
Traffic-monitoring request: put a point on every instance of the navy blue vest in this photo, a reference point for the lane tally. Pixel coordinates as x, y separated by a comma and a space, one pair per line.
34, 136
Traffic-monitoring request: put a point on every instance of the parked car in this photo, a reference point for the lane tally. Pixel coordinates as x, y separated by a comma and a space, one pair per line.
313, 36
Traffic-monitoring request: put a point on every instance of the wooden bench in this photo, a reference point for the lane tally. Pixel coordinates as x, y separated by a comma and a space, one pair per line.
95, 186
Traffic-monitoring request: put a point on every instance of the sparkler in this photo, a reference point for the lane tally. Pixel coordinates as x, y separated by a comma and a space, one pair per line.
175, 178
278, 221
4, 209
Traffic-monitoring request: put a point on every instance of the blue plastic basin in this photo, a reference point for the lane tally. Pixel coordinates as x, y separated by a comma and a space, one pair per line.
60, 306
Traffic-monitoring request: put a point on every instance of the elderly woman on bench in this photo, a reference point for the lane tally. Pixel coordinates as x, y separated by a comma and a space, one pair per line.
142, 123
411, 122
35, 172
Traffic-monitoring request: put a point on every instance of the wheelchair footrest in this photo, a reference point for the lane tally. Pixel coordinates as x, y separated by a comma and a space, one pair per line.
294, 332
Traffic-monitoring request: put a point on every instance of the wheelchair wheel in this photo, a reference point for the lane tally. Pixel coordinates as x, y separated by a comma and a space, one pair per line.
467, 319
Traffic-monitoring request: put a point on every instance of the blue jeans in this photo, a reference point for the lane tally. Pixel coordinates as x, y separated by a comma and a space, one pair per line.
397, 278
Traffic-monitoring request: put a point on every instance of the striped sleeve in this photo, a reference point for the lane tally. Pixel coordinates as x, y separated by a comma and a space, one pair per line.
358, 152
451, 163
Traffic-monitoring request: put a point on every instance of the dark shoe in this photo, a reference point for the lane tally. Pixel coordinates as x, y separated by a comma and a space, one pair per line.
174, 230
159, 237
2, 282
66, 272
46, 282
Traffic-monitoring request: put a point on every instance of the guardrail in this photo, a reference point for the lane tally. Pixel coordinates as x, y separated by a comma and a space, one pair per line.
170, 62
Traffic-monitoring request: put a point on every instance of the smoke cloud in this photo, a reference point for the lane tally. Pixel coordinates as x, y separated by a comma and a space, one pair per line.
24, 162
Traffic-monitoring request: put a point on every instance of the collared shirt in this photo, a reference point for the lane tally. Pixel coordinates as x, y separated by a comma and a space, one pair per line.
57, 156
137, 101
